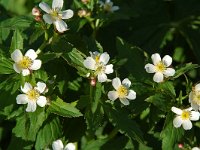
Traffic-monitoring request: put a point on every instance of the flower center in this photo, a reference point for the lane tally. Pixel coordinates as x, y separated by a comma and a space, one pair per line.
25, 63
160, 67
196, 97
185, 115
122, 91
100, 68
33, 95
55, 14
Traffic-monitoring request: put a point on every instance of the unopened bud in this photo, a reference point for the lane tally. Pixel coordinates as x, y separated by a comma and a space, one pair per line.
85, 1
35, 11
93, 81
83, 13
180, 145
38, 18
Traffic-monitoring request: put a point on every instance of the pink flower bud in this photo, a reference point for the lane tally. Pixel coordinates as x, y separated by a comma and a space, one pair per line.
93, 81
180, 145
35, 11
38, 18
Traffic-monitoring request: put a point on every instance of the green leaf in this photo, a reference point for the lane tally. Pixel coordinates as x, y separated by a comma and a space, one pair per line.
168, 88
36, 34
170, 135
50, 132
63, 109
17, 41
123, 123
95, 144
46, 57
28, 124
6, 65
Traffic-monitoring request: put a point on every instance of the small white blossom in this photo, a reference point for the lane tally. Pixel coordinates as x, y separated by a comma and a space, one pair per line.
25, 64
98, 63
55, 15
194, 97
58, 145
122, 91
195, 148
160, 67
108, 6
184, 117
32, 96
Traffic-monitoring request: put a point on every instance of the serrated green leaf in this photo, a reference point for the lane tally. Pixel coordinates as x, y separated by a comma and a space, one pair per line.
50, 132
17, 41
6, 65
168, 88
46, 57
63, 109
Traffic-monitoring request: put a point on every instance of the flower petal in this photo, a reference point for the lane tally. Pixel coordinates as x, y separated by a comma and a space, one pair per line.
169, 72
131, 95
102, 77
126, 82
17, 55
57, 145
194, 115
31, 54
112, 95
167, 60
42, 101
70, 146
195, 106
27, 87
187, 124
150, 68
22, 99
57, 4
190, 97
89, 63
17, 68
158, 77
156, 58
197, 87
25, 72
109, 69
176, 110
41, 87
116, 82
177, 122
124, 101
47, 18
36, 64
61, 26
31, 107
104, 58
114, 8
45, 7
66, 14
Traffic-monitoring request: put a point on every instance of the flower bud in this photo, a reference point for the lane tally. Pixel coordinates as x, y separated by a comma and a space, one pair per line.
93, 81
35, 11
85, 1
83, 13
38, 18
180, 145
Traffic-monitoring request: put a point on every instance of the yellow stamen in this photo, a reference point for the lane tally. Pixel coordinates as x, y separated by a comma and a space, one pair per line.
55, 14
196, 97
25, 63
97, 58
122, 91
160, 67
185, 115
33, 95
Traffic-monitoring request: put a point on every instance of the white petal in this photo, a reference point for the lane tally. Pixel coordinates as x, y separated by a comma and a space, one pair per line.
176, 110
61, 26
169, 72
114, 8
36, 64
150, 68
126, 82
102, 77
131, 95
167, 60
42, 101
109, 69
158, 77
27, 87
156, 58
187, 124
124, 101
89, 63
17, 68
22, 99
45, 7
57, 4
25, 72
31, 54
112, 95
116, 82
66, 14
31, 107
194, 116
70, 146
195, 148
104, 58
195, 106
17, 55
197, 87
47, 18
41, 87
57, 145
190, 97
177, 122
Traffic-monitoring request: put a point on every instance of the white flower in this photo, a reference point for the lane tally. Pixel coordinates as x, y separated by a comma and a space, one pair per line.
194, 97
98, 63
184, 117
58, 145
195, 148
32, 96
160, 67
55, 15
27, 63
122, 91
108, 6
